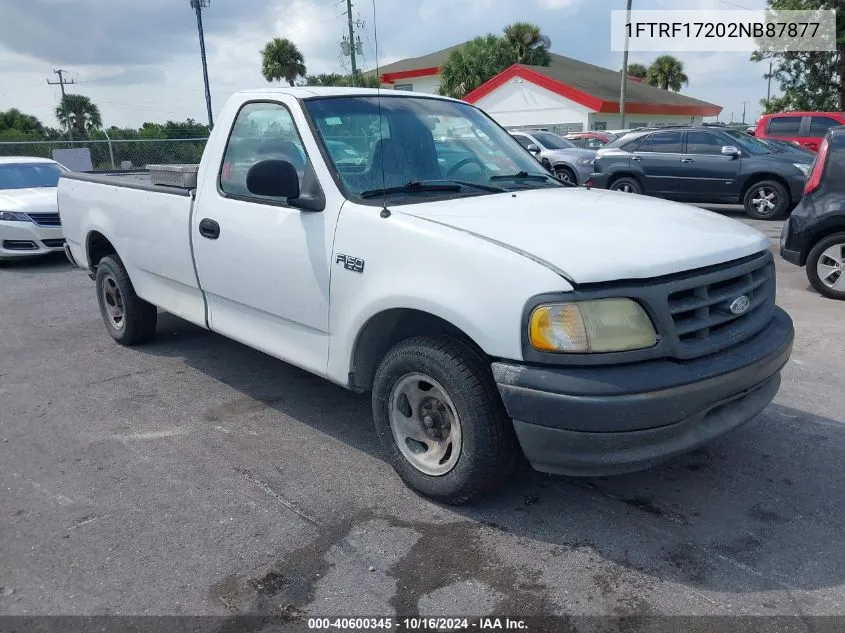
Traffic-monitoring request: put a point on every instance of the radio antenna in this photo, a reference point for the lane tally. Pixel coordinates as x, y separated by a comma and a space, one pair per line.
385, 212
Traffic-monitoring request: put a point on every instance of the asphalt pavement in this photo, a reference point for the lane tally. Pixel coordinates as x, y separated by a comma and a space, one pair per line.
198, 476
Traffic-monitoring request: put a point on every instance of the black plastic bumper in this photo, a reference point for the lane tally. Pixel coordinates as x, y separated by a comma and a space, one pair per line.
597, 180
590, 421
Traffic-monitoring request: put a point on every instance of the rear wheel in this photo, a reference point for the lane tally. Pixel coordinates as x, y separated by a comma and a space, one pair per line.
766, 200
626, 184
441, 420
826, 266
129, 319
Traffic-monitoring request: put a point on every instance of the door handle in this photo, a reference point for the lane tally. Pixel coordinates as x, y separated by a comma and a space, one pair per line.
209, 228
637, 158
687, 160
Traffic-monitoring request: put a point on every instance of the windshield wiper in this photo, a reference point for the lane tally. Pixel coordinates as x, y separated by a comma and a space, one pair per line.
416, 186
525, 175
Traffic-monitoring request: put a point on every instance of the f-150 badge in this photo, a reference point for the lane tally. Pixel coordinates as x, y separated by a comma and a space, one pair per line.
355, 264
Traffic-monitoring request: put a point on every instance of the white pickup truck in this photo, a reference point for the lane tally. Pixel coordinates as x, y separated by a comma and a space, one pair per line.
408, 246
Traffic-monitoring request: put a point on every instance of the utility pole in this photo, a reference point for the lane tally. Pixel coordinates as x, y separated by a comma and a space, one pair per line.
61, 83
624, 91
769, 89
198, 6
351, 41
743, 112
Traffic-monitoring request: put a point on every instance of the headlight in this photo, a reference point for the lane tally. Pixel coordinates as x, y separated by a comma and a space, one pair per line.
601, 325
586, 161
805, 169
13, 216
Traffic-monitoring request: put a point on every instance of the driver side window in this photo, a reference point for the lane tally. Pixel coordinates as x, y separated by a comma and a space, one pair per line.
261, 131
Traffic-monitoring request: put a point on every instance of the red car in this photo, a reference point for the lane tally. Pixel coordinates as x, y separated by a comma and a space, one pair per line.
590, 140
807, 128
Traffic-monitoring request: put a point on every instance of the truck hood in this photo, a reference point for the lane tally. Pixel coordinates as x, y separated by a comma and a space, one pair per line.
592, 236
34, 199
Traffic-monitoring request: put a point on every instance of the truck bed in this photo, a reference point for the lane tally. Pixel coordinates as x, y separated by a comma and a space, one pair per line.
129, 179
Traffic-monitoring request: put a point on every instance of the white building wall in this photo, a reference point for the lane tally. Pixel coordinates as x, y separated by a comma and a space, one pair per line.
614, 121
427, 85
520, 103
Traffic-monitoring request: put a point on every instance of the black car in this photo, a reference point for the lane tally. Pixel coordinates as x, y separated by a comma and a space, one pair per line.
814, 235
704, 164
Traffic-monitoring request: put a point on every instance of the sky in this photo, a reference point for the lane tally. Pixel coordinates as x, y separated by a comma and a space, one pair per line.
139, 60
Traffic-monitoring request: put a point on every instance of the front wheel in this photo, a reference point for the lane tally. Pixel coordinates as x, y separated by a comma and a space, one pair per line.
440, 419
129, 319
826, 266
566, 175
766, 200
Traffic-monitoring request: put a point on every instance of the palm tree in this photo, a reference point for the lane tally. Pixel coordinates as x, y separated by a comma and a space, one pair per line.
640, 71
472, 64
667, 72
527, 44
79, 113
281, 59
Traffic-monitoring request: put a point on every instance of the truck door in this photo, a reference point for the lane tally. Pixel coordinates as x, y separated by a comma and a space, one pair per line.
263, 265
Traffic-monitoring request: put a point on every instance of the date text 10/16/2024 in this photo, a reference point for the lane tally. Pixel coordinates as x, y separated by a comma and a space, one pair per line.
417, 624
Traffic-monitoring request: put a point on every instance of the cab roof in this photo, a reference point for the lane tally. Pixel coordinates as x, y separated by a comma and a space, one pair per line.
311, 92
17, 160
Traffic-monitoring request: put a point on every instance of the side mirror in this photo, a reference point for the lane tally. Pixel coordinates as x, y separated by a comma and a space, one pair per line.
730, 150
534, 149
274, 178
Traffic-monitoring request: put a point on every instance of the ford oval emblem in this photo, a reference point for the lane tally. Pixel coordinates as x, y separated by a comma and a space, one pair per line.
740, 304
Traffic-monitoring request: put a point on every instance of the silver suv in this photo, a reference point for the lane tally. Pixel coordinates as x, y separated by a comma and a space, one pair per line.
569, 163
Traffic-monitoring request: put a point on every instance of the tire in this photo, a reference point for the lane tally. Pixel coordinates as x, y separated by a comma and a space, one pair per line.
627, 184
565, 174
471, 419
766, 200
129, 319
821, 266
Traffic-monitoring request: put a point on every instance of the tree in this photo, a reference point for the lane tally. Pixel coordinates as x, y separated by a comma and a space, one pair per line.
79, 113
667, 72
486, 56
640, 71
363, 80
281, 59
812, 81
15, 120
527, 44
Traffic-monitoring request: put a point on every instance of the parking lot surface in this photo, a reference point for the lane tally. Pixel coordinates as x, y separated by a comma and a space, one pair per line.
198, 476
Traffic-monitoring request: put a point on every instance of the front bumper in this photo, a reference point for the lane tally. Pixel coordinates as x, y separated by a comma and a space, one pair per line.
592, 421
25, 239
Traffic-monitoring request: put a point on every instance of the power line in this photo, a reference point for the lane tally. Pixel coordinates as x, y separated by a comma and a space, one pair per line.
61, 82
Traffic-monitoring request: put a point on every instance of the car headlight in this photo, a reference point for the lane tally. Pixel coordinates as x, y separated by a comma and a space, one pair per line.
586, 161
601, 325
805, 169
13, 216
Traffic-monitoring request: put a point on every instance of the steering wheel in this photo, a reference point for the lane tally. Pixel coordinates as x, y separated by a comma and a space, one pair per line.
463, 163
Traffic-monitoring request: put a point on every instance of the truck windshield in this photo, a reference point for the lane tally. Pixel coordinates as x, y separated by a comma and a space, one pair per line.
419, 140
27, 175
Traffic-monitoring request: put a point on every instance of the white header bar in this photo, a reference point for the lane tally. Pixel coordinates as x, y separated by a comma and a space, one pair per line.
723, 30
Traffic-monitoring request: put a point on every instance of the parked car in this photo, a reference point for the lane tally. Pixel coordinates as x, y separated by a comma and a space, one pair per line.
698, 164
808, 128
29, 218
569, 163
785, 146
814, 235
590, 140
486, 312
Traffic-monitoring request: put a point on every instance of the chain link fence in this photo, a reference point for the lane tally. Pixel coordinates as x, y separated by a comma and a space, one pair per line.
112, 155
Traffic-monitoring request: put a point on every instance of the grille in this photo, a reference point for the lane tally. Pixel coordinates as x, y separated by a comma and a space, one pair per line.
57, 243
19, 245
45, 219
700, 306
